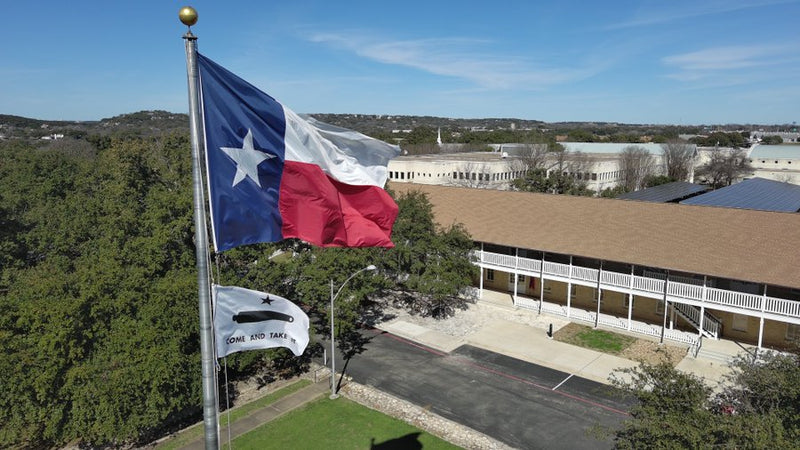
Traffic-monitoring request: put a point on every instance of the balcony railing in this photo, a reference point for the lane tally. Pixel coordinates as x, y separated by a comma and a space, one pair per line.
685, 290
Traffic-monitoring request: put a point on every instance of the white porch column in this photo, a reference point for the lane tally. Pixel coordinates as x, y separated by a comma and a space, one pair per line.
761, 319
516, 280
666, 307
541, 285
599, 294
569, 286
516, 275
630, 299
480, 285
672, 318
702, 310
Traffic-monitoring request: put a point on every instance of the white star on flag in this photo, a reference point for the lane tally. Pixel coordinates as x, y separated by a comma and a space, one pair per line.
247, 159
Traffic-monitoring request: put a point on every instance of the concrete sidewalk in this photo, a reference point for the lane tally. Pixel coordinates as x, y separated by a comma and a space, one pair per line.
263, 415
530, 343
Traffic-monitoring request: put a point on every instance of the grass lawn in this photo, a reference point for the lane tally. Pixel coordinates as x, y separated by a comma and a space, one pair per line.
195, 432
600, 340
338, 424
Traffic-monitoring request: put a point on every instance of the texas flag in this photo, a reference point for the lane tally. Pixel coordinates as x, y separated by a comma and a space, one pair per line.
274, 175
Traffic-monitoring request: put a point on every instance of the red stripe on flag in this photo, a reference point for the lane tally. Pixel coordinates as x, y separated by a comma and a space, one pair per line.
318, 209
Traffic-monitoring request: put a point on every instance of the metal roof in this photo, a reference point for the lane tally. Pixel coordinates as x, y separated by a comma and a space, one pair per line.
739, 244
756, 193
607, 147
775, 152
665, 193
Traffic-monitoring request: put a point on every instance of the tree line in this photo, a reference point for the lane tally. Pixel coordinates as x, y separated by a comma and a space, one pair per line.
559, 171
98, 288
756, 406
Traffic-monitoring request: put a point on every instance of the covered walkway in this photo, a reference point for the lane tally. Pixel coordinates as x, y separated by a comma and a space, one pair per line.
577, 314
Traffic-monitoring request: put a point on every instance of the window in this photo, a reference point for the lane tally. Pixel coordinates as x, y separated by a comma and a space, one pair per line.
522, 278
490, 274
602, 296
573, 292
740, 322
792, 332
626, 301
455, 175
660, 307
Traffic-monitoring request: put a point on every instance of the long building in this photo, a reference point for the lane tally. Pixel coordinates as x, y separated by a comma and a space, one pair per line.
597, 164
690, 272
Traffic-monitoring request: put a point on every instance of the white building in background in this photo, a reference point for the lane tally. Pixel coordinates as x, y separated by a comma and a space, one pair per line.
598, 164
776, 162
475, 169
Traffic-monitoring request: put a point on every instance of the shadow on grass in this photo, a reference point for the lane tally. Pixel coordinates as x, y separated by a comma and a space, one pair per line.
407, 442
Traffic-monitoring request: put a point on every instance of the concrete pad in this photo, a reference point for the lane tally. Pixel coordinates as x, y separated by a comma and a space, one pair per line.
440, 341
712, 371
601, 368
403, 329
533, 345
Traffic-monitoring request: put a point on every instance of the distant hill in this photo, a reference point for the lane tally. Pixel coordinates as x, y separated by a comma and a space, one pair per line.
142, 123
379, 125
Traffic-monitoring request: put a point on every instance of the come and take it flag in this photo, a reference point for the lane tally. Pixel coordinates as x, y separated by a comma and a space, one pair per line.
274, 175
248, 320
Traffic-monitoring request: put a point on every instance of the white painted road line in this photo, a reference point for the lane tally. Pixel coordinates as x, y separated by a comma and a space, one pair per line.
565, 380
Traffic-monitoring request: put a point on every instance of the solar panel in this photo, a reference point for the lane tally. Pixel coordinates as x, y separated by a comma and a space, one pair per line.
756, 193
665, 193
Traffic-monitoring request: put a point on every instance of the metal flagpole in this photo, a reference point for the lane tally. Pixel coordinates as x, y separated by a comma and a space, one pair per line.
189, 17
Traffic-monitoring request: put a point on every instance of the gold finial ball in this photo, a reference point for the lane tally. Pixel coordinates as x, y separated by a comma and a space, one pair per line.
188, 16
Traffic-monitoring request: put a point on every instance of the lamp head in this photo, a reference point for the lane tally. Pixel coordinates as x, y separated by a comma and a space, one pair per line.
370, 267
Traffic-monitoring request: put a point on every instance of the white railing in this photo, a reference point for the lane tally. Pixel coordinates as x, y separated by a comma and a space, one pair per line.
648, 285
685, 290
676, 278
733, 298
679, 287
561, 270
582, 315
679, 336
789, 307
498, 259
584, 273
616, 279
532, 265
711, 324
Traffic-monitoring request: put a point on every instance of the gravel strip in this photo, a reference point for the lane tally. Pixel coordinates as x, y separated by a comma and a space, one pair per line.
421, 418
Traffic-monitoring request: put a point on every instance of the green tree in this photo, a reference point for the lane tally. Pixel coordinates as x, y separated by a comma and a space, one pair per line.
100, 342
772, 140
757, 409
430, 266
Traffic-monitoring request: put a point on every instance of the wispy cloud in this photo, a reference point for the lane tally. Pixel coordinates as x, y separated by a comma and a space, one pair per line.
463, 58
660, 12
731, 64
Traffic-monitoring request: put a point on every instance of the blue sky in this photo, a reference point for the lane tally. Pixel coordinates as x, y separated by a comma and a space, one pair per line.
664, 62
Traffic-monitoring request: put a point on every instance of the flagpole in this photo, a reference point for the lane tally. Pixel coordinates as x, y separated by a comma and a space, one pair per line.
189, 17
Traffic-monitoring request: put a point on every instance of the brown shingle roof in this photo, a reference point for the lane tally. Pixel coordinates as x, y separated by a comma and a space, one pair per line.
757, 246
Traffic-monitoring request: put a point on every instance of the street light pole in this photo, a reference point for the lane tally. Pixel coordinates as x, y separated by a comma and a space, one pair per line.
334, 395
